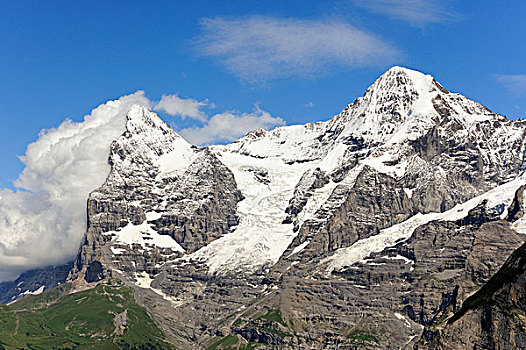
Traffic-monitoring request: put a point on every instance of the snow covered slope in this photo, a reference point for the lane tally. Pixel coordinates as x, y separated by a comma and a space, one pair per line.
313, 167
261, 235
407, 139
494, 198
391, 212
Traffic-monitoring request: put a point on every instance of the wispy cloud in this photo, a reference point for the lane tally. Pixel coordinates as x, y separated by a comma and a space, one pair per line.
309, 105
262, 48
514, 83
230, 125
416, 12
176, 106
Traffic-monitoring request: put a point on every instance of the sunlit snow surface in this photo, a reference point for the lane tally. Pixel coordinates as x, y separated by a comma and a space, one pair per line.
260, 237
299, 248
288, 152
143, 235
178, 160
36, 292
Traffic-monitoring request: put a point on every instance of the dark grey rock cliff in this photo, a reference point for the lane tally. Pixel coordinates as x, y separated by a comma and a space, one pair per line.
492, 318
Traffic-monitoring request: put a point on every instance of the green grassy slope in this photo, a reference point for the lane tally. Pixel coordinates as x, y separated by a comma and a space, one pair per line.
105, 317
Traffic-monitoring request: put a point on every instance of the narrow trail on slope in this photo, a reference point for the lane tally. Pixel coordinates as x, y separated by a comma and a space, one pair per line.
17, 324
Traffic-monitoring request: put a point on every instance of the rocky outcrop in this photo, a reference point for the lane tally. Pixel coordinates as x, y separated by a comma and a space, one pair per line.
205, 202
492, 318
34, 282
185, 202
374, 202
392, 294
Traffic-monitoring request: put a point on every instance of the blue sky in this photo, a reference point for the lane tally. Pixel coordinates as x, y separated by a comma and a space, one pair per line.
299, 61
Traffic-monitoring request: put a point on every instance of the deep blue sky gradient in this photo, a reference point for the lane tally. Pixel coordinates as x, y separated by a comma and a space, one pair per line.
61, 59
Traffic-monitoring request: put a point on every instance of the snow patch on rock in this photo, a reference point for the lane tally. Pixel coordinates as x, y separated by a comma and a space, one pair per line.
36, 292
143, 235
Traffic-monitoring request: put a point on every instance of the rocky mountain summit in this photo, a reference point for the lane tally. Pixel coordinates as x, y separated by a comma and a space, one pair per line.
374, 229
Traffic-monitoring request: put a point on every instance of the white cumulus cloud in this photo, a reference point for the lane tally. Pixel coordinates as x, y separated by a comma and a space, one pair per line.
230, 125
415, 12
262, 48
176, 106
43, 222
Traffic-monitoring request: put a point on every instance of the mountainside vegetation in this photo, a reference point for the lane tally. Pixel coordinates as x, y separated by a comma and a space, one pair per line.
104, 317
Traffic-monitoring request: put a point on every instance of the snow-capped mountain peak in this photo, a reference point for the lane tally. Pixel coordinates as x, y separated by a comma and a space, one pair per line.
209, 229
397, 98
400, 105
295, 176
140, 120
148, 137
401, 80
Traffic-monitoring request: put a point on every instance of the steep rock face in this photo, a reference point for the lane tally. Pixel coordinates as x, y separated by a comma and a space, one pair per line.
492, 318
430, 149
413, 274
163, 197
374, 202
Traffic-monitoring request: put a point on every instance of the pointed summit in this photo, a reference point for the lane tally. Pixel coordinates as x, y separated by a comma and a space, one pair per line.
402, 82
140, 119
402, 103
411, 75
407, 71
397, 106
148, 139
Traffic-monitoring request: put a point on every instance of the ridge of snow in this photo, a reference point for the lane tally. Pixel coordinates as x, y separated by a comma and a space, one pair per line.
388, 237
299, 248
291, 143
36, 292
